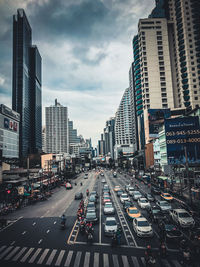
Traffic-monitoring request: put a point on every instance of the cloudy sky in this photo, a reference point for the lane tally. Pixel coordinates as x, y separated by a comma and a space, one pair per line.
86, 52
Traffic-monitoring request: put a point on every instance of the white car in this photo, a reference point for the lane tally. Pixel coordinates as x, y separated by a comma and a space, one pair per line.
108, 208
110, 227
182, 217
124, 197
143, 203
164, 205
142, 227
136, 195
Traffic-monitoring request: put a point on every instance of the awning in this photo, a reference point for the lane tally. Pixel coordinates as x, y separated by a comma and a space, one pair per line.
162, 177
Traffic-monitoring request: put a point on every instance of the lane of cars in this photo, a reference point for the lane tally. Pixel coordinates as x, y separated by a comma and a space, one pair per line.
162, 208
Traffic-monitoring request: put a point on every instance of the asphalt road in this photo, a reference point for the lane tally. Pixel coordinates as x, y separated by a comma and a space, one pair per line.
36, 239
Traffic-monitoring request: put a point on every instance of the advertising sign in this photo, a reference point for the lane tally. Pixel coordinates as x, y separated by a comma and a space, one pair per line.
20, 190
155, 118
9, 124
183, 136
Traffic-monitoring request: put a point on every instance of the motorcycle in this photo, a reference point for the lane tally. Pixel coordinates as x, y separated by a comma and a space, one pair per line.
114, 240
163, 250
62, 225
150, 261
82, 227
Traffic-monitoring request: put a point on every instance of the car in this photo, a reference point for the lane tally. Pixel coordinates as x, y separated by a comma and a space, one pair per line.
136, 195
94, 193
143, 203
124, 197
105, 186
68, 186
114, 174
131, 190
171, 233
110, 226
127, 204
117, 188
142, 227
150, 197
105, 194
103, 181
86, 176
106, 190
92, 198
91, 206
91, 216
156, 214
102, 174
119, 192
182, 218
164, 205
106, 199
166, 196
78, 195
155, 190
108, 208
133, 212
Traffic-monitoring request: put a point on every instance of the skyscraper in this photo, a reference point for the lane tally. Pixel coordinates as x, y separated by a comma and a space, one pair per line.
26, 93
57, 134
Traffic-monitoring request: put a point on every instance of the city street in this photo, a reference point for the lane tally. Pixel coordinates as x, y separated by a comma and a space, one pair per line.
35, 237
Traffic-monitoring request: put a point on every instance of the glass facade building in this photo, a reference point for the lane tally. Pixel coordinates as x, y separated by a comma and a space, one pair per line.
26, 94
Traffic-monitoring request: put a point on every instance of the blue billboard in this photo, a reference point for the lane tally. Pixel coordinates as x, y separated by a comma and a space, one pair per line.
183, 138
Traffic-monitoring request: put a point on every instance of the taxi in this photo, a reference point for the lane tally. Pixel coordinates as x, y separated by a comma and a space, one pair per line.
166, 196
133, 212
117, 188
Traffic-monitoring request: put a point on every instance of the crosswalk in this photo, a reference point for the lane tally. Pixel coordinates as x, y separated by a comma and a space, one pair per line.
73, 258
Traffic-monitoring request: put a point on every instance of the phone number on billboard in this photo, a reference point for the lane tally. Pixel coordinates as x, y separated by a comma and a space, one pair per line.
183, 141
188, 132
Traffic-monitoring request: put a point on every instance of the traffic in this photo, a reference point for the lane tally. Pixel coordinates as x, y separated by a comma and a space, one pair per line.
122, 211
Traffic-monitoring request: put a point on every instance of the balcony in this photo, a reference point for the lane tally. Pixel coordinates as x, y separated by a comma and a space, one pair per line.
183, 70
187, 104
186, 92
184, 75
184, 81
182, 58
185, 86
181, 47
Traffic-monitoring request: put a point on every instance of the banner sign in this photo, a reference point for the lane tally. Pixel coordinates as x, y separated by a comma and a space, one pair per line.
183, 136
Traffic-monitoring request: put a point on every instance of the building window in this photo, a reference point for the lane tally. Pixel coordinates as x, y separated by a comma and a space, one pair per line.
164, 105
195, 92
160, 48
196, 98
159, 33
162, 68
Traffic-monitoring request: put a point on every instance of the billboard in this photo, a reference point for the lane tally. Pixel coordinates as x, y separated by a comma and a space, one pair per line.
155, 118
182, 136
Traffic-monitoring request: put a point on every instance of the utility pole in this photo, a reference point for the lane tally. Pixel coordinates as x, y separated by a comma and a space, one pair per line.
187, 174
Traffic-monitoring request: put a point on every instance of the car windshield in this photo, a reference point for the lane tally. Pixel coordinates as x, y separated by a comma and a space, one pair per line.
143, 223
137, 193
131, 189
166, 195
106, 197
90, 205
156, 211
90, 215
184, 215
124, 195
133, 211
164, 203
108, 205
111, 223
143, 201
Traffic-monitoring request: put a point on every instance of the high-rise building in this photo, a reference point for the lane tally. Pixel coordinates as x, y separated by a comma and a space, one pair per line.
109, 137
185, 19
123, 126
57, 134
73, 138
26, 93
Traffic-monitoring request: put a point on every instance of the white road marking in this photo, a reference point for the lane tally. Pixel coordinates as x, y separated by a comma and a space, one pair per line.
105, 260
27, 254
87, 259
34, 223
48, 231
24, 233
5, 252
42, 257
135, 261
125, 261
12, 253
13, 243
69, 257
115, 260
19, 254
96, 259
40, 241
50, 259
78, 258
54, 222
32, 259
11, 224
59, 259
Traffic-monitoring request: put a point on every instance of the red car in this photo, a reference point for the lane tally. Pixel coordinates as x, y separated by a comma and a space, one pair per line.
106, 199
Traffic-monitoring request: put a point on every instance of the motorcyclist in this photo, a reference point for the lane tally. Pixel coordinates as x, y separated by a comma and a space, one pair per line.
63, 219
149, 258
118, 235
87, 192
162, 248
